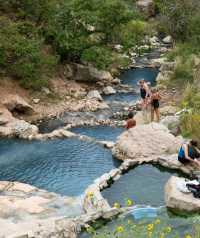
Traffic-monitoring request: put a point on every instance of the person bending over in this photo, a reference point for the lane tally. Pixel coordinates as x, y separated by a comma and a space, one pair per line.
155, 104
189, 153
131, 122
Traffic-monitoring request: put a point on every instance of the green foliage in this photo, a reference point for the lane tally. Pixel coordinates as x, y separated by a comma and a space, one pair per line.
80, 30
83, 31
102, 56
132, 33
21, 54
180, 18
190, 121
130, 229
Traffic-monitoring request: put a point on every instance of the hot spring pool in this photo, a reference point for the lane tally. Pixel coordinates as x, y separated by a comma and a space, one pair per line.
66, 166
104, 133
143, 184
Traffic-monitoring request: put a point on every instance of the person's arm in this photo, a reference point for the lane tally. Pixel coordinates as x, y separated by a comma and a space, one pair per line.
159, 96
185, 147
148, 92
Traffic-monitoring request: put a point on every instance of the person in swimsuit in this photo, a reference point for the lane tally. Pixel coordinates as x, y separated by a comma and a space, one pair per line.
155, 104
131, 122
144, 92
188, 153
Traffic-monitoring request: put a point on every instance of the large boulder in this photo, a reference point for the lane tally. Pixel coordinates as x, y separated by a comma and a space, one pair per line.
147, 7
17, 103
109, 90
145, 141
177, 200
94, 94
90, 74
167, 40
172, 123
13, 127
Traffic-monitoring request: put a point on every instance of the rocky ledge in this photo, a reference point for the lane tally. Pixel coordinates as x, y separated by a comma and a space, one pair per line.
180, 201
146, 141
32, 212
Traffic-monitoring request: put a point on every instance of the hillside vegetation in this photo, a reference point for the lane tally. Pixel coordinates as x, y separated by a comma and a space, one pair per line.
181, 19
37, 35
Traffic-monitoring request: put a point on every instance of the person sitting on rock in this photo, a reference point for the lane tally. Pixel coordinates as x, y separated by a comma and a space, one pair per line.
131, 122
189, 153
144, 93
155, 104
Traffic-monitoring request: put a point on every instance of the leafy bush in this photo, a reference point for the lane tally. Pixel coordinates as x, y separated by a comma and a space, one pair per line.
179, 18
22, 55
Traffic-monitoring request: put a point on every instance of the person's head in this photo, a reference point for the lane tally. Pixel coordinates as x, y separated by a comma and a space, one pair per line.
154, 90
130, 115
194, 143
141, 82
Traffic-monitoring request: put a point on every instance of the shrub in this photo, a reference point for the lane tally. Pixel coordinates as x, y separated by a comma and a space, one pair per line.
100, 56
22, 55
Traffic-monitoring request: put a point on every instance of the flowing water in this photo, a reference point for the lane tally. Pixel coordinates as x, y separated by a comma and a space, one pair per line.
132, 77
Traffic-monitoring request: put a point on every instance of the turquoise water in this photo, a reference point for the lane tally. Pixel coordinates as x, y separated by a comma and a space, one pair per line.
143, 184
102, 133
63, 166
132, 77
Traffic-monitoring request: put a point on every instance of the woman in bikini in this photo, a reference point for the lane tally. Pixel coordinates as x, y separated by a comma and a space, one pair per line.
155, 104
144, 93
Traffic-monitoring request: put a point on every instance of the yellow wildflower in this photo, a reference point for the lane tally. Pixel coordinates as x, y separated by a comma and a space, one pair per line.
150, 227
129, 203
188, 236
162, 235
90, 194
150, 234
168, 229
116, 205
157, 221
120, 229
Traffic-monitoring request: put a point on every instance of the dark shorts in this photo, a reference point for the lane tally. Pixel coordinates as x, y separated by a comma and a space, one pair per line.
155, 104
183, 160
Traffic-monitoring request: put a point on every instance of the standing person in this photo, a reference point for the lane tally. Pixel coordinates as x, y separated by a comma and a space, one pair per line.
131, 122
155, 104
144, 93
188, 153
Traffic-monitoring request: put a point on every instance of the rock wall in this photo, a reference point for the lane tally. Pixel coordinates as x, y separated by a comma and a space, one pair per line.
179, 201
145, 141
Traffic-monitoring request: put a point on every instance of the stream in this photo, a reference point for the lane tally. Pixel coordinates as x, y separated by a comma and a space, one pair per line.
68, 166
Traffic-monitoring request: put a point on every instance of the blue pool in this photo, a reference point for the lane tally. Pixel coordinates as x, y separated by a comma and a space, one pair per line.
103, 133
63, 166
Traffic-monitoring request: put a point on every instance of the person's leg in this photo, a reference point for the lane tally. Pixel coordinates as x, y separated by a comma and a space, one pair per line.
152, 113
157, 111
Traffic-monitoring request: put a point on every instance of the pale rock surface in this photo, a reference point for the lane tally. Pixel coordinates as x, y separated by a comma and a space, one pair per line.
168, 110
91, 74
94, 94
167, 40
14, 102
147, 6
179, 201
145, 141
109, 90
